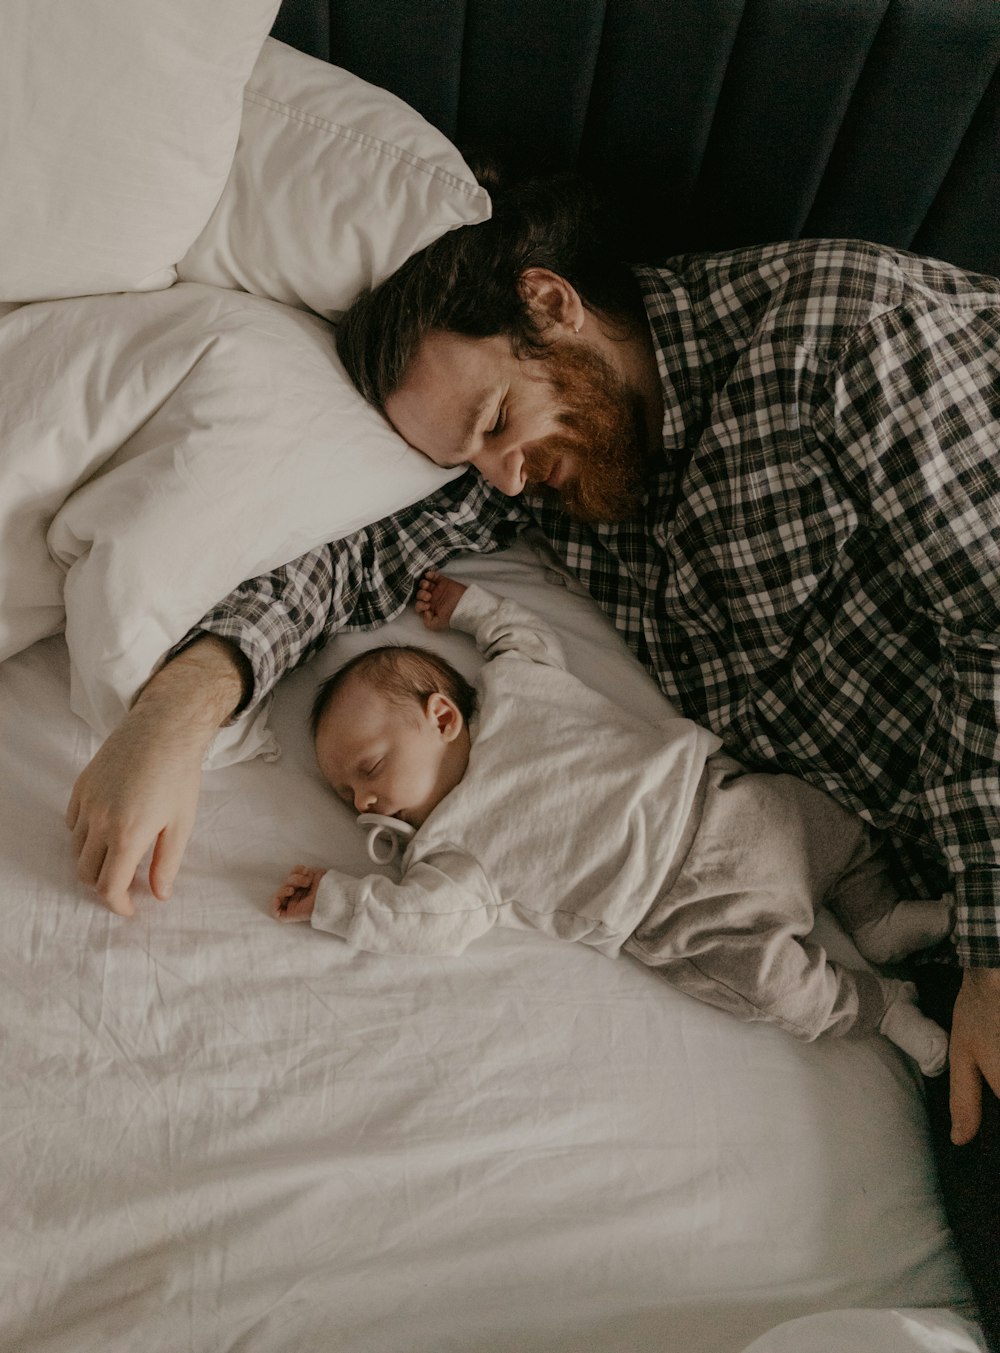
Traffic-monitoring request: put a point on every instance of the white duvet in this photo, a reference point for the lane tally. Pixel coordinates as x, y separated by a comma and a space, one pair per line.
222, 1134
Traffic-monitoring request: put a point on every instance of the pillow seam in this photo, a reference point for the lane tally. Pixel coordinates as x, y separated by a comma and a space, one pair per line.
364, 139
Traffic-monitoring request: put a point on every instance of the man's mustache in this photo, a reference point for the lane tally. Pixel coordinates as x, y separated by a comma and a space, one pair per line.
544, 455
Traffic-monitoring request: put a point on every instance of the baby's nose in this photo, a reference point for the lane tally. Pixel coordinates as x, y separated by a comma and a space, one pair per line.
365, 800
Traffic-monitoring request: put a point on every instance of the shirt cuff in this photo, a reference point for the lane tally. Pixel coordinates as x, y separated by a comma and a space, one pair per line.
255, 657
977, 926
473, 605
334, 907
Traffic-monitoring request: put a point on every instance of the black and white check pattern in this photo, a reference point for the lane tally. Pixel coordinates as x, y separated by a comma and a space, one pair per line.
814, 572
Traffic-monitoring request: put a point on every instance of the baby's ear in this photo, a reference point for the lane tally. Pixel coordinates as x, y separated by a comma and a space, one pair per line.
446, 715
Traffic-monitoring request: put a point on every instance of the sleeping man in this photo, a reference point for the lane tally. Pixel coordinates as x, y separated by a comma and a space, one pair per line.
534, 802
776, 470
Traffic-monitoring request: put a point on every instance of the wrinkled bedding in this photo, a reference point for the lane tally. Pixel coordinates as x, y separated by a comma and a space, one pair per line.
222, 1134
157, 449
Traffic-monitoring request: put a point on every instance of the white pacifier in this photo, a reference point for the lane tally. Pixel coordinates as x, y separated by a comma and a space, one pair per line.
387, 836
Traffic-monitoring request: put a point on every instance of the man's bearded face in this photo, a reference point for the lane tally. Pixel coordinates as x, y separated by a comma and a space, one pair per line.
604, 434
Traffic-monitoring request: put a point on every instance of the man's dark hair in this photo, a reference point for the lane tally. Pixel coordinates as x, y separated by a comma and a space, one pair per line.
468, 282
403, 673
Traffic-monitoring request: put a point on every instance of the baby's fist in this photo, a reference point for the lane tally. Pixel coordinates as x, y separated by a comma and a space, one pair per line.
296, 898
437, 597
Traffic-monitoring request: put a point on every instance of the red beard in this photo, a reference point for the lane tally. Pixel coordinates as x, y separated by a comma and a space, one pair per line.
605, 434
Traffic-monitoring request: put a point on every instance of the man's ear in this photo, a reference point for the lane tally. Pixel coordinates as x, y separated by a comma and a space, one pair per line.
445, 715
552, 301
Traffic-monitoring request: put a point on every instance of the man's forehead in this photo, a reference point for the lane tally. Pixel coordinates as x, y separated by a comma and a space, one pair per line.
443, 347
447, 392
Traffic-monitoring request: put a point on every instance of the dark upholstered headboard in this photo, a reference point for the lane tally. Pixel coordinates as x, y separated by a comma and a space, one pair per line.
713, 123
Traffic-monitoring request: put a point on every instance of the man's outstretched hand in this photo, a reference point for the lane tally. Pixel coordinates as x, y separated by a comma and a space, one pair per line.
141, 789
974, 1052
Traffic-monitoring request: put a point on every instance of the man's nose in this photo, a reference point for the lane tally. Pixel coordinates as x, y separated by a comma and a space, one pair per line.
504, 468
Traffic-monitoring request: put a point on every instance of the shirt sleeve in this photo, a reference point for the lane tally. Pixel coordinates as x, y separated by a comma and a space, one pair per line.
441, 905
502, 626
283, 617
916, 420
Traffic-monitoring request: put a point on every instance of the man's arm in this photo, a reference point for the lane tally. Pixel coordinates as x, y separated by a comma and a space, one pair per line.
141, 789
360, 582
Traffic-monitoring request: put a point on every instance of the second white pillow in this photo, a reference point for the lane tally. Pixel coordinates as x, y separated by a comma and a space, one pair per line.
257, 449
335, 184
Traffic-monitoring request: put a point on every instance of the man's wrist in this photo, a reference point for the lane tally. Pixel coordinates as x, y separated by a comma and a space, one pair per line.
198, 690
984, 979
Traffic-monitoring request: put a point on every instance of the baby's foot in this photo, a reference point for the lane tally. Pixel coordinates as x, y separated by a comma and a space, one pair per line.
906, 1026
908, 927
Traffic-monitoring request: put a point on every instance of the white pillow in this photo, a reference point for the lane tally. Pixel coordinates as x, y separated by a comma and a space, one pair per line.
334, 185
928, 1330
73, 391
118, 124
198, 437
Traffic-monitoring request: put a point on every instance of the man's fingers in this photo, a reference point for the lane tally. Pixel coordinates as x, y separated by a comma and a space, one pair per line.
90, 852
109, 870
975, 1050
113, 886
117, 876
100, 867
73, 809
966, 1101
167, 856
76, 844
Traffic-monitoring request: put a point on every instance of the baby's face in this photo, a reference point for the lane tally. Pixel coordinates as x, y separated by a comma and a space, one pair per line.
381, 758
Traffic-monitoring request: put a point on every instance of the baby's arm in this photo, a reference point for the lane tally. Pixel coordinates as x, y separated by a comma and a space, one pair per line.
440, 906
296, 898
498, 625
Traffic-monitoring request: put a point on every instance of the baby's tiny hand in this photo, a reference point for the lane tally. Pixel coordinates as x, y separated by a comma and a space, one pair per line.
437, 597
296, 898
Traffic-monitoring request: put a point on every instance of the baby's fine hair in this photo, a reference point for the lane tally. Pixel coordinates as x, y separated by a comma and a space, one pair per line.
404, 674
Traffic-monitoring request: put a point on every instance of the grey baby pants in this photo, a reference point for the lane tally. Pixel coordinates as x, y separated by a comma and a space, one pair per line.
731, 927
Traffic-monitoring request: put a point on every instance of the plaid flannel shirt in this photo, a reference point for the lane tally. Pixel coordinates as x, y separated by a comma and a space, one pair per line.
814, 571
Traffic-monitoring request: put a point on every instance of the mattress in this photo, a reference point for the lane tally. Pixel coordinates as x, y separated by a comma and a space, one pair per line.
224, 1134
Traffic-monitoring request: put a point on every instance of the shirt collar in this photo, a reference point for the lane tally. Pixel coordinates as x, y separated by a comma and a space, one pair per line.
678, 354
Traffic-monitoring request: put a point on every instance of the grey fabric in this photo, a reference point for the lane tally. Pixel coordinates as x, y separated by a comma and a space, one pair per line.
732, 928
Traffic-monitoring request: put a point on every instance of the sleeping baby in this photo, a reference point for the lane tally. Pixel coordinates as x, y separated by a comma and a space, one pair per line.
531, 801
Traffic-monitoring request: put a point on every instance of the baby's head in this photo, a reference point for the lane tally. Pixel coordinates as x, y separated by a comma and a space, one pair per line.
391, 730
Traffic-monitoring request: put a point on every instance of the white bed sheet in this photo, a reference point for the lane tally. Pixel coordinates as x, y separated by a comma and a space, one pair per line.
222, 1134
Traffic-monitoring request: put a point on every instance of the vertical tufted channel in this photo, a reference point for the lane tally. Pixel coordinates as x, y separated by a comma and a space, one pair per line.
712, 123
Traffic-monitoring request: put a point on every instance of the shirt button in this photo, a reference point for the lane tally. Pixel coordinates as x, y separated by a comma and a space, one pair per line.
685, 657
